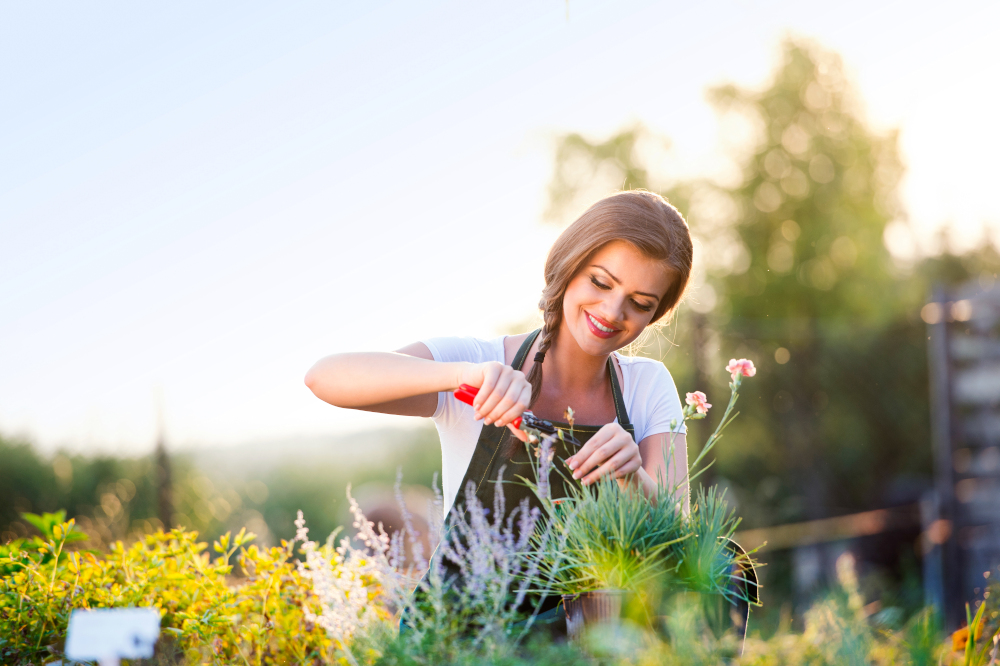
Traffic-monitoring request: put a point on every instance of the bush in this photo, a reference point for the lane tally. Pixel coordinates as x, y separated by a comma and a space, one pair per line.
208, 614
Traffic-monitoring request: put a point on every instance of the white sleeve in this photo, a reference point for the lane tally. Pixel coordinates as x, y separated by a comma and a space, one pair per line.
662, 403
454, 350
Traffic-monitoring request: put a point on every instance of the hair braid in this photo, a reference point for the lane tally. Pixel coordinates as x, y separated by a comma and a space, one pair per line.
552, 313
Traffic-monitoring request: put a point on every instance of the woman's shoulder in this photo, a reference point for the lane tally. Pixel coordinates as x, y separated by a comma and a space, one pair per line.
641, 369
651, 396
511, 344
641, 362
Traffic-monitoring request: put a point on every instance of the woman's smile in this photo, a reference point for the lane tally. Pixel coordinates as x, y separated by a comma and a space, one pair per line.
600, 327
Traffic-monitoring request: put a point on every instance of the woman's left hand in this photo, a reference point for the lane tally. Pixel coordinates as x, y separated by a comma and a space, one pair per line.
610, 451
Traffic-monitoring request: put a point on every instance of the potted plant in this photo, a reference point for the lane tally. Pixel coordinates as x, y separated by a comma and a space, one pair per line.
619, 547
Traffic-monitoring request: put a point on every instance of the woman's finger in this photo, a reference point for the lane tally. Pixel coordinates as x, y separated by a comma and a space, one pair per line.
621, 464
517, 400
520, 434
600, 438
488, 408
491, 372
506, 404
598, 457
631, 466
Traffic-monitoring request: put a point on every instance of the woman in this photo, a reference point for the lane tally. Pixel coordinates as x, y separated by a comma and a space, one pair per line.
623, 265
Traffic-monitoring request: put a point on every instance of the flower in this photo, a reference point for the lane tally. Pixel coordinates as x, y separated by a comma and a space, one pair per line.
699, 401
741, 367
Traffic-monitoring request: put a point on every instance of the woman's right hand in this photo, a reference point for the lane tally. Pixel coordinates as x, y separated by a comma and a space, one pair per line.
504, 393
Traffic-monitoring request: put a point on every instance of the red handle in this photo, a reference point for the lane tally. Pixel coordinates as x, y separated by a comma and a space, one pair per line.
467, 394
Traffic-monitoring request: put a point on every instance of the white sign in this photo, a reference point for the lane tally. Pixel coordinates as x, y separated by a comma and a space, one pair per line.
110, 634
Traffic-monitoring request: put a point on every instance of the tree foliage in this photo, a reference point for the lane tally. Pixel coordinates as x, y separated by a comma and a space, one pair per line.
793, 272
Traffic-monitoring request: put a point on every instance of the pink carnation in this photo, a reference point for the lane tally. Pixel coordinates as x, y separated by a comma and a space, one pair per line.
741, 367
700, 402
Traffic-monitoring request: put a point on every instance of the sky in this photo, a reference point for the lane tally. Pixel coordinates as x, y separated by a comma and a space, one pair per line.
200, 199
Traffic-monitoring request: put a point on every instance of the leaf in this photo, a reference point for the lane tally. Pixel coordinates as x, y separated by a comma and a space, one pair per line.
45, 522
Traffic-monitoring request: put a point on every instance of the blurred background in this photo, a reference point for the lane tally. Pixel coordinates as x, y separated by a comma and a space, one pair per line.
199, 201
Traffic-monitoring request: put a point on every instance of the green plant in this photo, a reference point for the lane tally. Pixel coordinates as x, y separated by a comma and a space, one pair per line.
208, 615
617, 537
53, 528
974, 654
263, 617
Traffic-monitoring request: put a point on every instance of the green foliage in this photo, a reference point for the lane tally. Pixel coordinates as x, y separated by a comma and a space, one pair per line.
705, 560
26, 483
115, 498
208, 616
52, 527
109, 497
817, 191
613, 538
980, 639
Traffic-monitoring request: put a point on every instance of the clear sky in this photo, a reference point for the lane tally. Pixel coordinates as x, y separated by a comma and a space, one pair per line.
199, 199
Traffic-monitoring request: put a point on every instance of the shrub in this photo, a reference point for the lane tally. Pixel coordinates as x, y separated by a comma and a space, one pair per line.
208, 615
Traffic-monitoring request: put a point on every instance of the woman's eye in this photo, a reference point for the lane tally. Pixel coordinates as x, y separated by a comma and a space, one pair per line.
599, 284
642, 307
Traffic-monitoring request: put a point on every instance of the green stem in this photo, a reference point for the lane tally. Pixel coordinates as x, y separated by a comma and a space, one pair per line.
727, 418
55, 563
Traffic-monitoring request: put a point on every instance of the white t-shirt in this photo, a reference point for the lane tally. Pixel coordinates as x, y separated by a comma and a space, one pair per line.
648, 390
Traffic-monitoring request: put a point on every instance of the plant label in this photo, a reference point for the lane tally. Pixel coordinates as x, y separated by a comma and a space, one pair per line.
110, 634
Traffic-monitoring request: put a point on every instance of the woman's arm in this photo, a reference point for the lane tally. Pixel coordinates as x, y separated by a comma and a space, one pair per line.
665, 454
407, 382
404, 382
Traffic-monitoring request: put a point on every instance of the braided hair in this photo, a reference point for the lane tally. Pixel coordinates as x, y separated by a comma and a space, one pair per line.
640, 218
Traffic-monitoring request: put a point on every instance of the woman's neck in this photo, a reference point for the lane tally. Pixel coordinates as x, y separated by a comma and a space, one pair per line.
574, 378
570, 369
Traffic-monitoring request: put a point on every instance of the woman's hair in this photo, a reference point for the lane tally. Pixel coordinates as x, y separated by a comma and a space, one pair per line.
640, 218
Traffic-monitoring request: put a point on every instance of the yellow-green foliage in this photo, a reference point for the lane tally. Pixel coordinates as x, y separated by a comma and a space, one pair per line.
212, 616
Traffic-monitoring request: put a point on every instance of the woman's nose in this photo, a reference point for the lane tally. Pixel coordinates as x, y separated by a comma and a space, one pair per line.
614, 308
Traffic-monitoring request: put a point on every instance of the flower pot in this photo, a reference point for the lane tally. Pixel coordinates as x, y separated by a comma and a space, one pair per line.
591, 608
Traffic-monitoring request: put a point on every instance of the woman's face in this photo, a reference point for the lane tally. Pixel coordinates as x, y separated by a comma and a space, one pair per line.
613, 298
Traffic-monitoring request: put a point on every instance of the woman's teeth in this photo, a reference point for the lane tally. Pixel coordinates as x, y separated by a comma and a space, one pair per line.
600, 326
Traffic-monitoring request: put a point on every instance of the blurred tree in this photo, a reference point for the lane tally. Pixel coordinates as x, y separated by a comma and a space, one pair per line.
111, 497
118, 498
23, 484
792, 271
818, 189
583, 166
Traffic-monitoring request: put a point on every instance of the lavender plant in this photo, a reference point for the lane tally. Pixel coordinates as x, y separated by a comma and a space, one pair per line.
477, 611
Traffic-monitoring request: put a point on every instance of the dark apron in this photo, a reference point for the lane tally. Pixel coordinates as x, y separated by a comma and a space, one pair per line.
498, 448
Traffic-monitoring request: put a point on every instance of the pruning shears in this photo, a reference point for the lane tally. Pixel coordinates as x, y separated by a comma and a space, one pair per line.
467, 394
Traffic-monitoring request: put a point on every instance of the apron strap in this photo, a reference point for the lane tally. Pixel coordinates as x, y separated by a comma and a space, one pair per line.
619, 398
522, 353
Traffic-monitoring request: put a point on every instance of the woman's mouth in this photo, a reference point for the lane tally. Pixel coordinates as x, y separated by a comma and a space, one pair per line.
599, 327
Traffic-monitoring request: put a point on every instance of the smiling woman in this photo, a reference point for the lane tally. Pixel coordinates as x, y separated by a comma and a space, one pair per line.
623, 265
